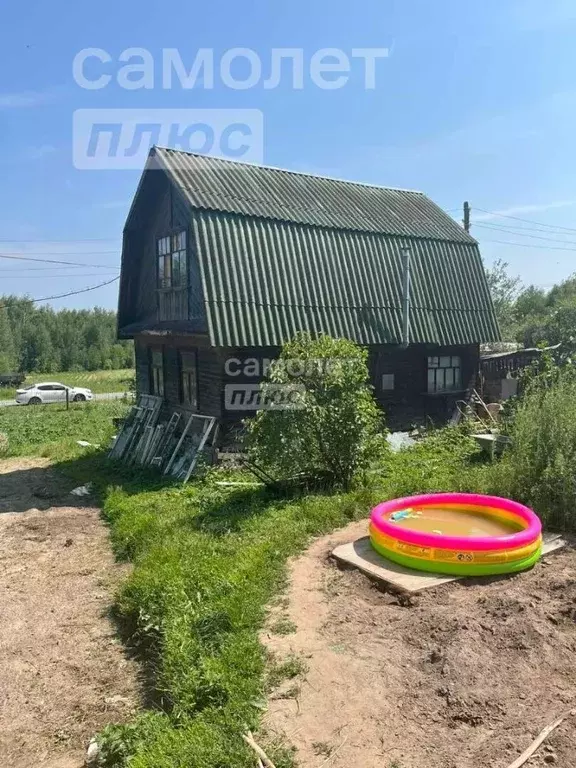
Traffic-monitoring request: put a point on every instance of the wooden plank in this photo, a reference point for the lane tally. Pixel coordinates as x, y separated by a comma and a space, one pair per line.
360, 554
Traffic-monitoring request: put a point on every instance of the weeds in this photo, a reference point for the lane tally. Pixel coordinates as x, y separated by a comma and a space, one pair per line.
52, 431
540, 467
283, 626
293, 666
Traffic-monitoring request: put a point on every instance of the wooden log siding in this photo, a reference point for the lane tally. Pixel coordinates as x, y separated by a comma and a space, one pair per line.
160, 211
210, 372
407, 404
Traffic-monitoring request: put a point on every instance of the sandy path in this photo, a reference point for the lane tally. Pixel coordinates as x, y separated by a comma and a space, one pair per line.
63, 673
462, 676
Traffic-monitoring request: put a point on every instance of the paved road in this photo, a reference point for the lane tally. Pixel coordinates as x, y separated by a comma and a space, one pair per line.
105, 396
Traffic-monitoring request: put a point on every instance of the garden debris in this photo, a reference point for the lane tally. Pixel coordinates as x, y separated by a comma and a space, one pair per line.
249, 739
93, 754
86, 444
82, 490
146, 441
525, 756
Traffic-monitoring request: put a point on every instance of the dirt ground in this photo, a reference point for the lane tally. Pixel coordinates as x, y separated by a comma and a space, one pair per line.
63, 673
461, 676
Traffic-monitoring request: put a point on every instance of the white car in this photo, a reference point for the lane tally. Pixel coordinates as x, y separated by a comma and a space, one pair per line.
51, 392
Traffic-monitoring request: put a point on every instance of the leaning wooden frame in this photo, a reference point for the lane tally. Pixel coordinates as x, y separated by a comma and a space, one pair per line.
189, 447
146, 442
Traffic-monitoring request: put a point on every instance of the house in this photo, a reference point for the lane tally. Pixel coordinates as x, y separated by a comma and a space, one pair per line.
223, 261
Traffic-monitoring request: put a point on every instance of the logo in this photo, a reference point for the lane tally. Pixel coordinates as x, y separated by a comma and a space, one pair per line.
272, 397
119, 139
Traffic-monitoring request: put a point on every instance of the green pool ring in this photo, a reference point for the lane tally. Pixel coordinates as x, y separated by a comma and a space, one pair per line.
459, 569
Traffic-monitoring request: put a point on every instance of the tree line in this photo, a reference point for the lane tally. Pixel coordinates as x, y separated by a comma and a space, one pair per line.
45, 340
530, 315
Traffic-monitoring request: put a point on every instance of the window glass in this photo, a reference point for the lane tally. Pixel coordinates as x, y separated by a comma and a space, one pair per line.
444, 374
172, 261
189, 379
176, 268
157, 372
387, 382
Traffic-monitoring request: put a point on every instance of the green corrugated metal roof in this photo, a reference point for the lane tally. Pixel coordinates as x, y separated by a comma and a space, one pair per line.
272, 193
281, 252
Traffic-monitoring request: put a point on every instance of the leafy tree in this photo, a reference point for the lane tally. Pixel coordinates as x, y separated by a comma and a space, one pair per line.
332, 428
40, 339
7, 352
504, 290
531, 302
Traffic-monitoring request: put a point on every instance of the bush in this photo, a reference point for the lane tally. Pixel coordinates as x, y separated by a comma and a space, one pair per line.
540, 467
333, 428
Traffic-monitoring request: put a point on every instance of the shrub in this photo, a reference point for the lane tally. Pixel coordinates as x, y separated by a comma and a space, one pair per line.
540, 467
333, 427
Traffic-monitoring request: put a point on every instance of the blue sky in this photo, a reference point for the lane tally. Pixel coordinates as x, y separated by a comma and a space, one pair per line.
476, 101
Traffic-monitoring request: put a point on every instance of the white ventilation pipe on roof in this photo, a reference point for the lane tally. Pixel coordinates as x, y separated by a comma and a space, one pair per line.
405, 298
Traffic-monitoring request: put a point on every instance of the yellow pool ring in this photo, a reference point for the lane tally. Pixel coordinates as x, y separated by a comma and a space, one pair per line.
439, 555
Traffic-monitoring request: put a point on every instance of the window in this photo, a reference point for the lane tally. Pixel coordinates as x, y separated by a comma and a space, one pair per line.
157, 372
387, 382
189, 379
172, 261
444, 374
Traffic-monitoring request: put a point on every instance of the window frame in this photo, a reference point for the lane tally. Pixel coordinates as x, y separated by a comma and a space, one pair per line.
441, 369
157, 381
188, 378
171, 250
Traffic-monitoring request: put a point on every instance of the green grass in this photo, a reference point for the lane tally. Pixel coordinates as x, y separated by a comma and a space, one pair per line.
52, 431
98, 381
207, 561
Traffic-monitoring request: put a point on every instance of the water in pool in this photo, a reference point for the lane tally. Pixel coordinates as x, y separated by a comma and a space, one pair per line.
453, 522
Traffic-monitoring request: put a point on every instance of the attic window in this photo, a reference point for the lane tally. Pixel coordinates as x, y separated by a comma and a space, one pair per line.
172, 261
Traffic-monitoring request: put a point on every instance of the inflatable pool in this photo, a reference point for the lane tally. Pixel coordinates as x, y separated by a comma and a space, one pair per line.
462, 534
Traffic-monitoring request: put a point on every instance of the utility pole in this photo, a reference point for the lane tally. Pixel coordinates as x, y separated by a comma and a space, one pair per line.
466, 221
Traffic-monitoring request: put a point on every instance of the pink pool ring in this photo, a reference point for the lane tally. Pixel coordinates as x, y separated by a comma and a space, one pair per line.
470, 555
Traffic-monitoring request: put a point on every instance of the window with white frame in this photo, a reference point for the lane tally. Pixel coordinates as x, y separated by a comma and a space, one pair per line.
444, 373
172, 261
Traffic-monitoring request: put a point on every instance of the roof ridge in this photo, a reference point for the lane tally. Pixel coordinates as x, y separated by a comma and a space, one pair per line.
279, 169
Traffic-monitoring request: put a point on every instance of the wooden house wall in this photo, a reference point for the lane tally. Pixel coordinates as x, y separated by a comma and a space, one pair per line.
160, 210
209, 371
407, 404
